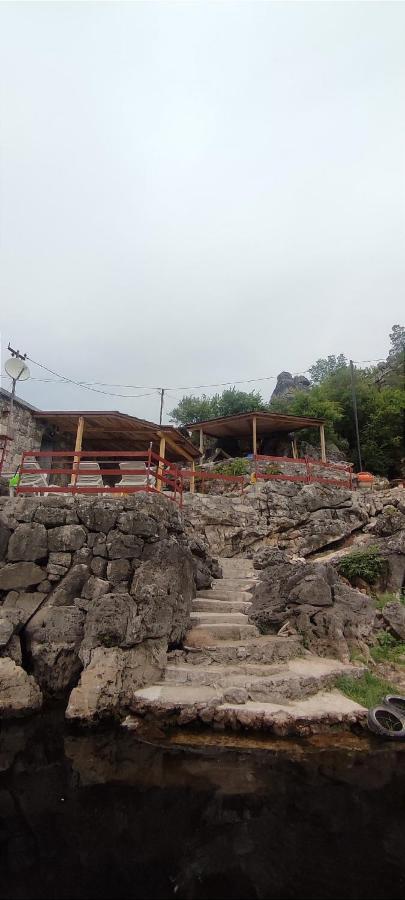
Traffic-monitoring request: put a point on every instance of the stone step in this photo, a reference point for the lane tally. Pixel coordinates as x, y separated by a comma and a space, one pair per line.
236, 565
234, 584
220, 605
255, 649
183, 704
224, 595
293, 680
227, 618
221, 631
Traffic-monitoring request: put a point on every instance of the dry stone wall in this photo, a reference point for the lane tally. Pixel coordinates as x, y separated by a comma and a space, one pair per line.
92, 593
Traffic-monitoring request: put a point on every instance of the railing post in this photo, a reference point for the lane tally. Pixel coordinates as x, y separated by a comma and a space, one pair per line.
308, 470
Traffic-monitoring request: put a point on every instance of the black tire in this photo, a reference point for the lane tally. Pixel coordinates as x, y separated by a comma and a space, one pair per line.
386, 722
395, 702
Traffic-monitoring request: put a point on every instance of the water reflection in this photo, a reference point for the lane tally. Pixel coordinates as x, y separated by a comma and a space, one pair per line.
203, 816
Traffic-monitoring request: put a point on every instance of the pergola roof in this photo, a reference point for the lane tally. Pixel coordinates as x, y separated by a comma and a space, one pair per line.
241, 425
118, 431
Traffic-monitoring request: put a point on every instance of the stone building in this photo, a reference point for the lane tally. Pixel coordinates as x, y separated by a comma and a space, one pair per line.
28, 433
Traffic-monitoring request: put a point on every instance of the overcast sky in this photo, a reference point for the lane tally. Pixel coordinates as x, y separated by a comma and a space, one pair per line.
198, 192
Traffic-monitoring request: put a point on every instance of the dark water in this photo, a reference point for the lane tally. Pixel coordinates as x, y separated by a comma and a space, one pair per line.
104, 815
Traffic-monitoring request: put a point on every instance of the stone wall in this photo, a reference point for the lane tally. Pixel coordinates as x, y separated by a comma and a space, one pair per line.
27, 432
92, 593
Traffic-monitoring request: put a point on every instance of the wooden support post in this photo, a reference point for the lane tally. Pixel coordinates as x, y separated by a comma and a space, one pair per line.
201, 442
78, 447
323, 444
254, 430
295, 449
162, 450
192, 479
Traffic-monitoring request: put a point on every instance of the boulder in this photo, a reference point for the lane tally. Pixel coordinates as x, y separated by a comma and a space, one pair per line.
28, 542
95, 588
14, 576
163, 588
141, 524
4, 539
108, 683
70, 587
53, 638
118, 570
123, 546
19, 692
25, 603
96, 516
394, 615
66, 538
112, 621
50, 516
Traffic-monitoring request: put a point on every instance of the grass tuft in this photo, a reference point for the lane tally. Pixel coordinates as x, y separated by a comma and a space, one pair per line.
368, 690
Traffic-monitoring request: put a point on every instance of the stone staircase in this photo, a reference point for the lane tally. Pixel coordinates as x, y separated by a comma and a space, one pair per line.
223, 610
242, 678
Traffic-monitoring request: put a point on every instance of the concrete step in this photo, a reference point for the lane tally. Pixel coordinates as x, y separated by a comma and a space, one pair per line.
234, 584
298, 678
253, 650
183, 704
208, 605
236, 565
224, 595
222, 631
227, 618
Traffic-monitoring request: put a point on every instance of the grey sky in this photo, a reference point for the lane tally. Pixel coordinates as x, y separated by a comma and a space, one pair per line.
198, 192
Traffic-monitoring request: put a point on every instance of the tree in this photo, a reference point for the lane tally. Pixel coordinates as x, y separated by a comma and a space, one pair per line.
229, 403
325, 367
397, 338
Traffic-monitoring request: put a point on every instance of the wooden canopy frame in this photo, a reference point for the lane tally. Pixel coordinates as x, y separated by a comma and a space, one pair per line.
257, 424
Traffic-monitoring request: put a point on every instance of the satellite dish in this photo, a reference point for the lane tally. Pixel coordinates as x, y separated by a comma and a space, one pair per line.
17, 369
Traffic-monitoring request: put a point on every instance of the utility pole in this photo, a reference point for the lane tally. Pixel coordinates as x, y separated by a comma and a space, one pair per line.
356, 418
162, 394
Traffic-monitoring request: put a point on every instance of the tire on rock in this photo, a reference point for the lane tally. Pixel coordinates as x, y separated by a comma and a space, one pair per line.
395, 702
386, 722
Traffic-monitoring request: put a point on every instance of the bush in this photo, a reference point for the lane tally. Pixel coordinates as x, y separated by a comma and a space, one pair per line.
367, 564
368, 690
233, 467
272, 470
388, 649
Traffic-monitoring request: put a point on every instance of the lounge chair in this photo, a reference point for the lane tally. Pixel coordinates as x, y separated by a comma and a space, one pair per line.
128, 480
90, 480
34, 478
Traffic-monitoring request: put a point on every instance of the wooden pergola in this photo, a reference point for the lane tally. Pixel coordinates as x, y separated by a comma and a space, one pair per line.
257, 425
118, 431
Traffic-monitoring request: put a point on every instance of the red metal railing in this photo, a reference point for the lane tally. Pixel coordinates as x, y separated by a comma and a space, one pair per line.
202, 476
307, 475
63, 472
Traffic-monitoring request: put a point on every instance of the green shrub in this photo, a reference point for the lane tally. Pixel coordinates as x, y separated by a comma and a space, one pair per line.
367, 564
233, 467
272, 470
368, 690
383, 599
388, 649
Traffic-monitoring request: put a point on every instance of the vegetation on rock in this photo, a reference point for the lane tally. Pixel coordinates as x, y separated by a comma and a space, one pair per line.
368, 690
367, 564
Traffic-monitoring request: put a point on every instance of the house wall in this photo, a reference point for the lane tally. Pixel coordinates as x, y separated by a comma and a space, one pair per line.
27, 433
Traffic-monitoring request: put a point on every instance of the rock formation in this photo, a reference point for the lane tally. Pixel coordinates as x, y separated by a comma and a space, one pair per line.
288, 384
92, 593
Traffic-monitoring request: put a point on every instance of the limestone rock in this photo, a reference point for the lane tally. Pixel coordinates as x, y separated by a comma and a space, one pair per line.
24, 603
66, 538
14, 576
163, 588
108, 683
118, 570
70, 587
98, 517
28, 542
53, 639
4, 539
123, 546
112, 621
98, 566
95, 588
19, 692
394, 615
50, 516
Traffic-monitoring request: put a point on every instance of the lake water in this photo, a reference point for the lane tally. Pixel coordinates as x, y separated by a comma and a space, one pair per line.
104, 815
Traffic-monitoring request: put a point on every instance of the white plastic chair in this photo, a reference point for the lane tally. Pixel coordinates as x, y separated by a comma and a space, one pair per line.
128, 480
93, 480
35, 478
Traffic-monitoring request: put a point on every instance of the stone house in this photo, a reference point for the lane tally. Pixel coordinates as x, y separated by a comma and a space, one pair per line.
28, 432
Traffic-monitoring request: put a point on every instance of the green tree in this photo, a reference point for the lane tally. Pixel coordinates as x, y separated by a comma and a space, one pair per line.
325, 367
229, 403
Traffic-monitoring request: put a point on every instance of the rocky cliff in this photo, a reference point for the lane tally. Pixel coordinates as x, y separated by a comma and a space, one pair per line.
92, 594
